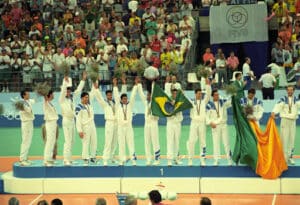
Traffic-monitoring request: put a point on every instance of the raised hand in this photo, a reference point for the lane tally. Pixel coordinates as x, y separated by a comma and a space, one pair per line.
115, 81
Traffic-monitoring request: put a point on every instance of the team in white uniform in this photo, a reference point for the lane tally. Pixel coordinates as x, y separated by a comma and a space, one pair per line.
66, 101
256, 104
150, 129
287, 107
27, 118
217, 119
86, 128
50, 117
124, 121
198, 124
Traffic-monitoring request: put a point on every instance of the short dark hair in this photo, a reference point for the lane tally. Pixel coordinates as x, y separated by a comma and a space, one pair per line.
251, 90
100, 201
237, 74
205, 201
56, 202
108, 91
123, 96
23, 93
290, 86
42, 202
13, 201
69, 88
198, 90
49, 93
155, 196
174, 90
83, 94
213, 92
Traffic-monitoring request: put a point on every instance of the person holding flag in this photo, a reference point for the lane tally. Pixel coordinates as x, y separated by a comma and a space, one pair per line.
150, 128
68, 113
198, 123
124, 120
253, 107
287, 107
217, 119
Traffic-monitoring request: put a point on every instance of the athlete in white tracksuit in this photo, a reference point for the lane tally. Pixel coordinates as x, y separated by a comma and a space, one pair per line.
217, 119
198, 124
86, 128
124, 120
68, 113
287, 107
111, 128
257, 105
173, 134
27, 118
150, 129
50, 117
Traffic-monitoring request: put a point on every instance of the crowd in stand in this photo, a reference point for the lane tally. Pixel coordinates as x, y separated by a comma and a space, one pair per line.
124, 36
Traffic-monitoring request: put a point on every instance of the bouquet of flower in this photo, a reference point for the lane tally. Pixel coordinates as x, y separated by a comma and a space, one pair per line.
64, 68
42, 89
248, 110
230, 89
19, 105
202, 72
93, 72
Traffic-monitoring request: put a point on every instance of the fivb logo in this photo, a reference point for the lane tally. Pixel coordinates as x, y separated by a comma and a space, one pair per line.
237, 20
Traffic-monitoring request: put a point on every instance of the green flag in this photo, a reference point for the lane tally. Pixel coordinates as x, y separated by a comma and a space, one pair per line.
245, 149
162, 106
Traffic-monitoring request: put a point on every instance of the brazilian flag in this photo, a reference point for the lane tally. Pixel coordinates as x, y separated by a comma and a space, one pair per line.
162, 105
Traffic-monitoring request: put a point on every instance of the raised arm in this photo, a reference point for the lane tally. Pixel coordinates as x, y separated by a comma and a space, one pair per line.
81, 85
98, 95
116, 93
63, 92
141, 93
208, 91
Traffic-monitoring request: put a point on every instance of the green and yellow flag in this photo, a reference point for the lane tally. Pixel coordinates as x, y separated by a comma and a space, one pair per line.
261, 150
162, 105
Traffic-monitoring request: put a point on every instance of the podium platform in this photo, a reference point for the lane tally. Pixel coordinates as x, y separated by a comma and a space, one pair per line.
113, 178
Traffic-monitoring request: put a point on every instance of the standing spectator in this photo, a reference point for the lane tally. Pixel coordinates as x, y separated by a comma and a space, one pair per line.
247, 73
151, 28
268, 82
4, 70
221, 70
232, 65
208, 56
135, 32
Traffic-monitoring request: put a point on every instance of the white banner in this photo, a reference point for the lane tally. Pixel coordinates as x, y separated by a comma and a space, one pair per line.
238, 23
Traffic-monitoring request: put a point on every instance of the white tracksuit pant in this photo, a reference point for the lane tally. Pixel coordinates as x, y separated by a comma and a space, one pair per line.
111, 139
173, 139
89, 141
220, 133
68, 125
27, 131
151, 138
125, 135
287, 134
51, 128
197, 131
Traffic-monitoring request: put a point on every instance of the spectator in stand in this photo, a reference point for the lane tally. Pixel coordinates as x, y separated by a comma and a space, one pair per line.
221, 70
146, 16
4, 70
151, 28
277, 54
79, 40
247, 73
135, 32
208, 56
165, 58
232, 65
186, 8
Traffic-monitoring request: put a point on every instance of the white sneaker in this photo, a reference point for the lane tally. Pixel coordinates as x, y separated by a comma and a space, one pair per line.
105, 163
133, 162
148, 163
190, 163
49, 163
202, 160
156, 162
291, 161
25, 163
216, 162
169, 162
86, 162
67, 163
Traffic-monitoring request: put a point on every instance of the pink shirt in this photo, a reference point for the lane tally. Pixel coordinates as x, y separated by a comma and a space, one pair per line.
232, 62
